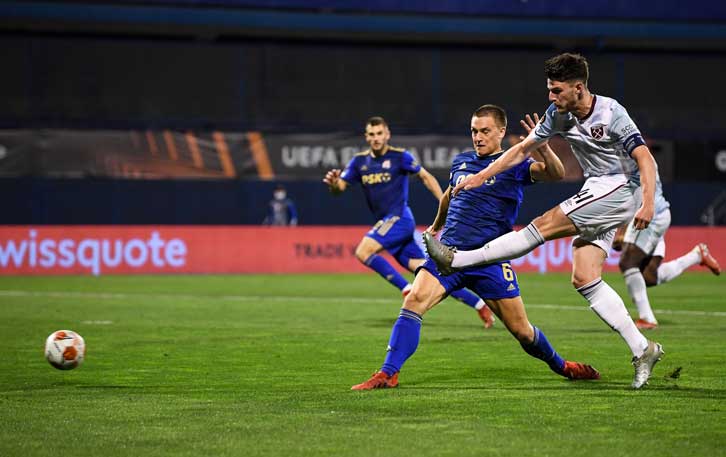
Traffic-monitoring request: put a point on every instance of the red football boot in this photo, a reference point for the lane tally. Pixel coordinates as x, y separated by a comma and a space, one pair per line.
379, 380
575, 370
645, 325
707, 260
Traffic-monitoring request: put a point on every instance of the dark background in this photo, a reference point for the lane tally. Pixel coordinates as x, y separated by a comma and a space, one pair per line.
326, 66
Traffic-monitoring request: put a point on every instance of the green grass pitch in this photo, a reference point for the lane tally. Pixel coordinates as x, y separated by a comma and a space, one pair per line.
262, 366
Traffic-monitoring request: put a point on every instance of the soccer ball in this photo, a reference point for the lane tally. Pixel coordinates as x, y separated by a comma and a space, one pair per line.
65, 349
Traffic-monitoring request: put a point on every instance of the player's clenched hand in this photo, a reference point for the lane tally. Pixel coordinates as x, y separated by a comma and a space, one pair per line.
469, 182
331, 178
643, 217
432, 230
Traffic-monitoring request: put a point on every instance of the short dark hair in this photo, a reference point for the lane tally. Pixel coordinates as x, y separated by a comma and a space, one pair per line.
376, 120
567, 67
496, 112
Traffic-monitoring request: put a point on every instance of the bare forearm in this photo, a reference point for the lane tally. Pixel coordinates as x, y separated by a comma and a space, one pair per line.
554, 168
646, 165
511, 158
431, 184
440, 218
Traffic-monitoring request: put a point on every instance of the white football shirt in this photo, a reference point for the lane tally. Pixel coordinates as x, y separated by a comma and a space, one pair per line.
602, 141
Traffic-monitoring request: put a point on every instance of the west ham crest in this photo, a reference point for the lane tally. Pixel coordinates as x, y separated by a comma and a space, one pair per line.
597, 131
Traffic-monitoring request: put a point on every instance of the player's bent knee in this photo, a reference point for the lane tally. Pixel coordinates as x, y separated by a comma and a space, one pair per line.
651, 277
363, 254
420, 300
631, 258
580, 279
523, 334
626, 263
414, 303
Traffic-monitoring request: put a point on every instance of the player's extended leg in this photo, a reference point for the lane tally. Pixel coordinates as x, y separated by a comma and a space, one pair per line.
699, 255
512, 313
426, 293
587, 261
411, 257
636, 269
367, 252
551, 225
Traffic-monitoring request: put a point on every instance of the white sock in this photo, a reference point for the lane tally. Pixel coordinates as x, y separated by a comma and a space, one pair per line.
608, 305
508, 246
637, 291
674, 268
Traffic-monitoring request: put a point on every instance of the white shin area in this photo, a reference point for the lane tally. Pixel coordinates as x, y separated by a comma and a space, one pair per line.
608, 305
508, 246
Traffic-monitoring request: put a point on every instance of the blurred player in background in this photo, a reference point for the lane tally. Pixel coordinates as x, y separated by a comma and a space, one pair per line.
622, 183
642, 257
468, 221
281, 210
383, 173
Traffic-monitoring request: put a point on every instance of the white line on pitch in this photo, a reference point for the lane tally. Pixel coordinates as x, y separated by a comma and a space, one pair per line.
277, 298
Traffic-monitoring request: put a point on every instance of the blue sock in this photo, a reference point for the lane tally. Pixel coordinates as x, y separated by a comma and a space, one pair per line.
385, 269
543, 350
466, 297
403, 342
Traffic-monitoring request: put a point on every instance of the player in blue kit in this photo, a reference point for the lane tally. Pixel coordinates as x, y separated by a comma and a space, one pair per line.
383, 174
470, 220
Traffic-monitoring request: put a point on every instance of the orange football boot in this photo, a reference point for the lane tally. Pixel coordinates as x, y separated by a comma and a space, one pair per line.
575, 370
379, 380
707, 260
645, 325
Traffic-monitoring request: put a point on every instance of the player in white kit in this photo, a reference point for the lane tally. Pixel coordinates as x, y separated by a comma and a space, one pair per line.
621, 185
642, 262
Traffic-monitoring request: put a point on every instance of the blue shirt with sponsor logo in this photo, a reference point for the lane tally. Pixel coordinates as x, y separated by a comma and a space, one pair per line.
479, 215
384, 179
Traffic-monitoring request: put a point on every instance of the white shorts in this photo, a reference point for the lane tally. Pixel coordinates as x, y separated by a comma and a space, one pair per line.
650, 240
602, 205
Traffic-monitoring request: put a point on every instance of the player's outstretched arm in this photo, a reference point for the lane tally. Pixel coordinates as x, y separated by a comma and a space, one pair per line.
431, 183
443, 210
511, 157
646, 165
334, 182
551, 167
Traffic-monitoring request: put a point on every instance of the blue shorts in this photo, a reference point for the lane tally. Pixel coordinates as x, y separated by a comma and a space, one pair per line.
396, 235
494, 281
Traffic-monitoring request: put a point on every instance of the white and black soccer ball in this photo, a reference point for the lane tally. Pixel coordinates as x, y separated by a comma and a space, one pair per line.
65, 349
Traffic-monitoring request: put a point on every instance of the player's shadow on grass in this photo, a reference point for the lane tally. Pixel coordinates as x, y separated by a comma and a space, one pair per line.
673, 389
113, 387
475, 323
376, 323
